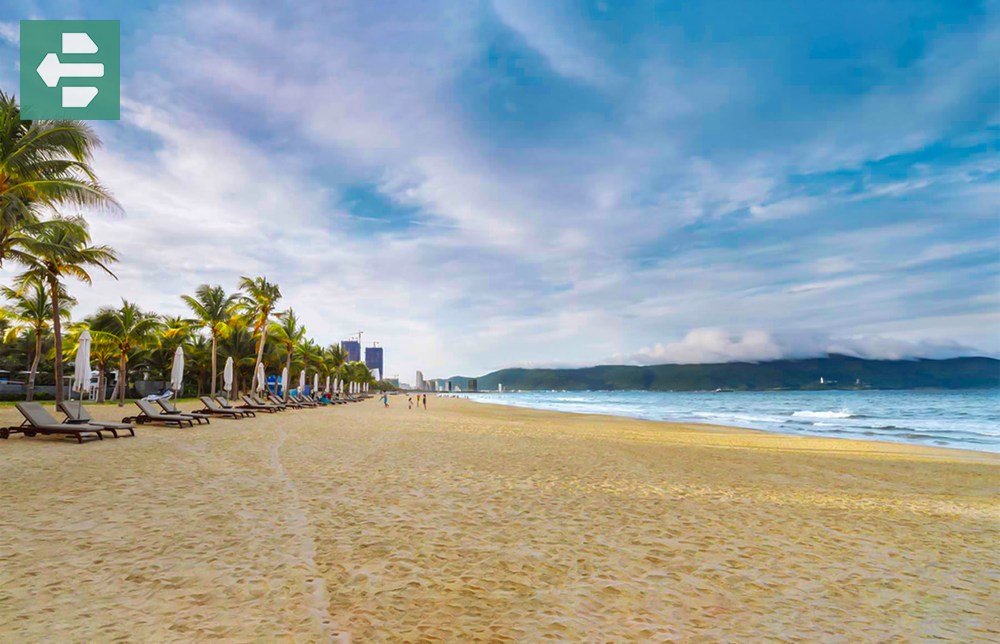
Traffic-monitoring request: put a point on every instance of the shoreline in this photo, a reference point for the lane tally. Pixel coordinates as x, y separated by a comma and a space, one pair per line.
478, 521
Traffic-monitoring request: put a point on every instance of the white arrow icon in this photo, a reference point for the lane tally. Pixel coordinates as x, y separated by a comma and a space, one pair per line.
51, 69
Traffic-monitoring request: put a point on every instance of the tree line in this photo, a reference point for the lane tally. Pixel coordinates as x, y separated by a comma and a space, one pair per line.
45, 168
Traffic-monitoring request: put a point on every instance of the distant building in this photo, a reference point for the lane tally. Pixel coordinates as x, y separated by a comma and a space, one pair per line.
373, 359
500, 387
419, 385
473, 385
353, 350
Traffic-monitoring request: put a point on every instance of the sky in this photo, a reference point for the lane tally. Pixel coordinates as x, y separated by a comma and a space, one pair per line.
478, 185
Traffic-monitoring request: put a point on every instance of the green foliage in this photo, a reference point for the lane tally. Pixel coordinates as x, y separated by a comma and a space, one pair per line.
845, 371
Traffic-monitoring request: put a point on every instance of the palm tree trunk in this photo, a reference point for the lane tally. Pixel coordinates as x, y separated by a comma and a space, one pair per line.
30, 393
260, 354
122, 379
57, 337
100, 382
214, 339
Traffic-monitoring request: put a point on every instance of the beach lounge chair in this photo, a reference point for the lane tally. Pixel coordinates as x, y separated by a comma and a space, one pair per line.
213, 407
150, 415
39, 421
168, 407
77, 414
305, 402
225, 404
290, 403
248, 403
280, 406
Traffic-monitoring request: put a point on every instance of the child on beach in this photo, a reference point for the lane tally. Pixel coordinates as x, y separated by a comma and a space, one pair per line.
409, 402
425, 401
385, 399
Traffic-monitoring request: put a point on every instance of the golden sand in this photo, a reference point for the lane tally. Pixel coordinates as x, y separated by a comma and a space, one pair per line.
475, 522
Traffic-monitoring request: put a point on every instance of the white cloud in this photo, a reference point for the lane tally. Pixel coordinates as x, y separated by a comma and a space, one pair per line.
712, 345
10, 32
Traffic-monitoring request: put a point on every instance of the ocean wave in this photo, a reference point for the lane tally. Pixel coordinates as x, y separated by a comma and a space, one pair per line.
822, 414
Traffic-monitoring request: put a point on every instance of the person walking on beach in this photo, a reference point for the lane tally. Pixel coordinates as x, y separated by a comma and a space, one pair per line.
425, 401
409, 402
385, 399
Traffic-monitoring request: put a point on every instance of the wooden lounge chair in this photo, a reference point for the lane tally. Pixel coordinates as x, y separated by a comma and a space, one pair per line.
248, 403
39, 421
280, 406
290, 403
302, 400
225, 404
77, 414
169, 408
213, 407
150, 415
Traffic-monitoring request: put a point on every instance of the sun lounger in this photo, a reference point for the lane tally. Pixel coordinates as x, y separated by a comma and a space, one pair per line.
280, 406
225, 404
39, 421
248, 403
169, 408
77, 414
213, 407
150, 415
302, 400
285, 403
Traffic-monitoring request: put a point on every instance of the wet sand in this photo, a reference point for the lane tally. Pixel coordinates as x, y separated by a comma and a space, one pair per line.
476, 522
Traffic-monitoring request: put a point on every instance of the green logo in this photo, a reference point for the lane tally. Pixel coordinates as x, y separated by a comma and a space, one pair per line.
71, 69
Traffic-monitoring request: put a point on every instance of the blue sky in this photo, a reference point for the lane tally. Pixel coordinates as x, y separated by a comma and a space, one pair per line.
487, 184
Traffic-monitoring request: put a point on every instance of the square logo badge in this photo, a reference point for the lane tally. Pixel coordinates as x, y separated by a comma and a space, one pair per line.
71, 69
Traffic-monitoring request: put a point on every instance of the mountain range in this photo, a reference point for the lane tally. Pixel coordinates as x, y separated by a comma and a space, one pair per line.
831, 372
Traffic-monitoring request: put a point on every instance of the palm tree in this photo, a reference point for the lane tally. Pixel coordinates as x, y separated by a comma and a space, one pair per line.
173, 332
213, 309
30, 312
43, 164
239, 346
258, 301
128, 328
288, 333
60, 248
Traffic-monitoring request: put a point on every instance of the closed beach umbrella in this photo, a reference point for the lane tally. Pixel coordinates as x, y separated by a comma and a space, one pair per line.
336, 385
315, 382
302, 380
284, 381
327, 390
177, 370
81, 371
261, 378
227, 375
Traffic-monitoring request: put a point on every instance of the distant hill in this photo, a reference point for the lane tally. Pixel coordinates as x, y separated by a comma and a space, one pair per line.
837, 372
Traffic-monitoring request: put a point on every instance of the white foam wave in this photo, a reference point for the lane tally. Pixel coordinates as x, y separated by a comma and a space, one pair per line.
821, 414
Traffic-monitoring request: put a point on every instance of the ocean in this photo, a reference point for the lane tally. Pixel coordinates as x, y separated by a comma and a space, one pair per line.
960, 419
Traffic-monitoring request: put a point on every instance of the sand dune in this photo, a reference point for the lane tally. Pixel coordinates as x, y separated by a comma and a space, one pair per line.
471, 522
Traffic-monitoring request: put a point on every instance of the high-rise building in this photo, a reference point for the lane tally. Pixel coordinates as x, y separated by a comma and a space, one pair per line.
352, 348
473, 385
419, 384
373, 359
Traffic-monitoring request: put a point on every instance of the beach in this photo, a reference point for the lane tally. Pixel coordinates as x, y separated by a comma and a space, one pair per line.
471, 521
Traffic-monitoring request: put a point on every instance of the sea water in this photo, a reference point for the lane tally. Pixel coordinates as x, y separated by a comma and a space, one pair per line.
963, 419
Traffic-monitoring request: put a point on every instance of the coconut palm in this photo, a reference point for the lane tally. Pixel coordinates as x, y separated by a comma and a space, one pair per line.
287, 333
129, 328
173, 332
239, 346
61, 248
102, 351
43, 164
213, 308
29, 312
258, 301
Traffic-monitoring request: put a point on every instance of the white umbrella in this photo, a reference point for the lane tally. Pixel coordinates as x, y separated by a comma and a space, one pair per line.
302, 381
261, 377
315, 383
336, 385
327, 390
177, 372
227, 376
284, 382
81, 370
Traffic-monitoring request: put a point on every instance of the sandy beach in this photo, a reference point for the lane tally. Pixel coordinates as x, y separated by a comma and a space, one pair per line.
474, 522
